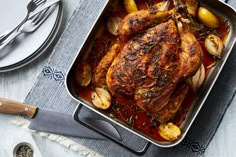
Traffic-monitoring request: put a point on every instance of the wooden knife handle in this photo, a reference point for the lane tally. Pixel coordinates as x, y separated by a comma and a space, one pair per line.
13, 107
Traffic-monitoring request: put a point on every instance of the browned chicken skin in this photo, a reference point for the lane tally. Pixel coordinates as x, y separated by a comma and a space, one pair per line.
153, 63
140, 20
147, 66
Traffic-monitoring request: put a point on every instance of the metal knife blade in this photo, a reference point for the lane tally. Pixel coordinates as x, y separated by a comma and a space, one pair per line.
60, 123
45, 5
48, 120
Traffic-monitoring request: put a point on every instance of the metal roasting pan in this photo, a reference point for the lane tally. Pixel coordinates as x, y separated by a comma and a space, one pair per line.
219, 8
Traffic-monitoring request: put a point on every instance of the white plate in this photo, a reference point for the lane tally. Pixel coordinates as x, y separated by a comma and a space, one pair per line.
27, 47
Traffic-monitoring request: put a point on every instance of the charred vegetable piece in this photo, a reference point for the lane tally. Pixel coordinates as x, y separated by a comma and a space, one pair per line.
83, 74
101, 98
214, 45
207, 18
169, 132
130, 6
113, 25
197, 80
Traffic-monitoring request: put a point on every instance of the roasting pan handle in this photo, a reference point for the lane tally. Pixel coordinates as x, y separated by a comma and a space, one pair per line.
113, 139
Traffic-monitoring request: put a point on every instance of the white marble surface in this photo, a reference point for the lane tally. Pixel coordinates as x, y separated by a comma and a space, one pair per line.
16, 84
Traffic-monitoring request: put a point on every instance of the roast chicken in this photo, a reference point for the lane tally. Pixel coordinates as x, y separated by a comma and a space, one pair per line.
150, 62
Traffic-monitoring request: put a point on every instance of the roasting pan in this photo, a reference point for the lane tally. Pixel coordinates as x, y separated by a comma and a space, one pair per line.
219, 8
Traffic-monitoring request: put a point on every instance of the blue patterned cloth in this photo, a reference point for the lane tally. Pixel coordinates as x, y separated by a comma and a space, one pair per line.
49, 92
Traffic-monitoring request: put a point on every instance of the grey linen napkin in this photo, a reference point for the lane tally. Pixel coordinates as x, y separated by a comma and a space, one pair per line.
49, 92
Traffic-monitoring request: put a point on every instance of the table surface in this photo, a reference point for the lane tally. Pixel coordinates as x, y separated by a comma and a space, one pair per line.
16, 84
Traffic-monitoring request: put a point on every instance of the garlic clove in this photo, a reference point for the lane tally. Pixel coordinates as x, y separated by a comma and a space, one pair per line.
214, 45
113, 25
196, 81
169, 132
101, 98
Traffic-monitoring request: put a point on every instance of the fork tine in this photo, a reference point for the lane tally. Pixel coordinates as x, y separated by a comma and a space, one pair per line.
39, 17
35, 1
46, 14
39, 2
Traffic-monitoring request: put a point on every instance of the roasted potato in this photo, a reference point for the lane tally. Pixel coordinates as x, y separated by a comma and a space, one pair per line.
169, 132
101, 98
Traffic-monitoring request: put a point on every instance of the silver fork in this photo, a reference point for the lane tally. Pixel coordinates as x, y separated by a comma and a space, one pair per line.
29, 26
31, 6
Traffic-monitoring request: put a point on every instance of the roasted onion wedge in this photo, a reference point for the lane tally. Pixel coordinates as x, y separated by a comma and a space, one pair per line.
196, 81
214, 45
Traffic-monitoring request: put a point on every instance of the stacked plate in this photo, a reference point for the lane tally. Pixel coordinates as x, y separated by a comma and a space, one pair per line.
26, 47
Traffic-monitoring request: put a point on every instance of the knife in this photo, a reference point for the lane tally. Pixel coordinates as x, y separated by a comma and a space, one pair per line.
54, 122
45, 5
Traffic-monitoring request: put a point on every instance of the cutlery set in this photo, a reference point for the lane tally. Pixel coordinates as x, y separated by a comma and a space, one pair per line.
37, 12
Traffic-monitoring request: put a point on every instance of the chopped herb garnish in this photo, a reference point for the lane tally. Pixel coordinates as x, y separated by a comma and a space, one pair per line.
149, 3
105, 87
139, 93
120, 74
126, 112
